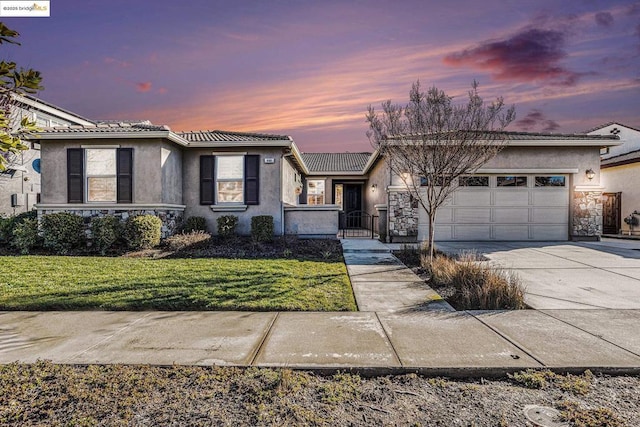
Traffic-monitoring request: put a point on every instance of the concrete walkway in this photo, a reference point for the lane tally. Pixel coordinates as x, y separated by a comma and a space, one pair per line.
403, 335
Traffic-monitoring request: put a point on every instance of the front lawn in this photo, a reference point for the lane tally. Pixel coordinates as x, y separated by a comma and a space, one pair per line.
85, 283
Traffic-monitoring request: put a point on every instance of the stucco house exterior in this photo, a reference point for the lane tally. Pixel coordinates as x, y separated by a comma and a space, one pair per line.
620, 171
539, 187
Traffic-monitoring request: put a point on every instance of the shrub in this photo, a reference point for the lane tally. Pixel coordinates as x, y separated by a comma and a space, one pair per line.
194, 223
106, 232
63, 231
25, 235
442, 269
479, 287
8, 224
262, 228
227, 225
185, 240
143, 231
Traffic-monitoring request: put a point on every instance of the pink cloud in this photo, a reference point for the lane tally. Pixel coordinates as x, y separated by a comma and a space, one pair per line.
143, 86
112, 61
529, 55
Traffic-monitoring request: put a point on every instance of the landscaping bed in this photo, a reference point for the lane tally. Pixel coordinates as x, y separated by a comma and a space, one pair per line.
465, 282
57, 395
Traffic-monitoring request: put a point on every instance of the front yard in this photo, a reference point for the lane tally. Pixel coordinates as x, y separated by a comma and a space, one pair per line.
120, 283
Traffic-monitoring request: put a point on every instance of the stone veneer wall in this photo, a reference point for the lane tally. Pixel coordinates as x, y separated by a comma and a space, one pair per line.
403, 214
587, 214
171, 218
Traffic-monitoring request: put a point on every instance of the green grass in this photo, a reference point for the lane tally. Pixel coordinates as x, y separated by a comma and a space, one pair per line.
85, 283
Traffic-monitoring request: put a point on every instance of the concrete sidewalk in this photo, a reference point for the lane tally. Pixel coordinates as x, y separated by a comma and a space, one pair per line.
401, 334
430, 342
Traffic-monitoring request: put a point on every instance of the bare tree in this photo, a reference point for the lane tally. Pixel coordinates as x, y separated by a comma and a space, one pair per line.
431, 142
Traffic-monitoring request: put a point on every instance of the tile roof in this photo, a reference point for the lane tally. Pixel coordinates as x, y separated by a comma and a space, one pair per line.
108, 127
336, 162
622, 159
527, 136
225, 136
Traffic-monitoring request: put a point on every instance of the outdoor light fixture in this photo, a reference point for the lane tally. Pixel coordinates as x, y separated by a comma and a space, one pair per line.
590, 174
374, 187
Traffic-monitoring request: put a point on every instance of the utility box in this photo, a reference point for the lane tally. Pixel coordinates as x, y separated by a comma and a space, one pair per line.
17, 200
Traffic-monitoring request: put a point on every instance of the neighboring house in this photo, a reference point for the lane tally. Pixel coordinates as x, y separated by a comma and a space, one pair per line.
20, 182
620, 169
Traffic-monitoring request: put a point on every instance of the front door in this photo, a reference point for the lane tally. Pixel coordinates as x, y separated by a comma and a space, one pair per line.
611, 213
353, 205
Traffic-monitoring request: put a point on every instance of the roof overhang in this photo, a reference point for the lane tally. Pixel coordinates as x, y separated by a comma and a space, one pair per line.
49, 109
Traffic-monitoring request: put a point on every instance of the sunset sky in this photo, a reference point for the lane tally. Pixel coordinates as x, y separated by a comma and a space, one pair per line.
310, 68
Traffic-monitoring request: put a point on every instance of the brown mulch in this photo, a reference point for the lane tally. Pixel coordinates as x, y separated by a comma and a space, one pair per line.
56, 395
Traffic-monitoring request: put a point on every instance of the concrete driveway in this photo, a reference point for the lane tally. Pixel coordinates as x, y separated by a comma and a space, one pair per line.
568, 275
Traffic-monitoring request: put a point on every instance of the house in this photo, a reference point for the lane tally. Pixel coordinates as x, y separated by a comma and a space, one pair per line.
20, 181
620, 170
539, 187
126, 169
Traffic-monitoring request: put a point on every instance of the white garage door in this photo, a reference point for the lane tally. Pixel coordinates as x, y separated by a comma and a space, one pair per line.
506, 207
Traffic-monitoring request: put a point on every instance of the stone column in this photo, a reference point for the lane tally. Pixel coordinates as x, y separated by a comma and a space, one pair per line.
403, 216
587, 213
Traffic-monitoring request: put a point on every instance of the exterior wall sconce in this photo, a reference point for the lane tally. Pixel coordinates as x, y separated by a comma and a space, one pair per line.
590, 174
374, 187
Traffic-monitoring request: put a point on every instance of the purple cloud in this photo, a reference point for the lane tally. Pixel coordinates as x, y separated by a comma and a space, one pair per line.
536, 119
530, 55
604, 19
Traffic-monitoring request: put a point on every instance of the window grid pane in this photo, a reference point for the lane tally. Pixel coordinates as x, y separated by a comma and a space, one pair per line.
315, 192
474, 181
512, 181
550, 181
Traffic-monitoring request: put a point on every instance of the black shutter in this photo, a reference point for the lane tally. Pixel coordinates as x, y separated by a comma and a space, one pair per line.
124, 171
252, 180
207, 169
75, 175
302, 198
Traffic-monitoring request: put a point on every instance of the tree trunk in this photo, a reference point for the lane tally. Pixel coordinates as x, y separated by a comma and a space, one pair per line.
432, 234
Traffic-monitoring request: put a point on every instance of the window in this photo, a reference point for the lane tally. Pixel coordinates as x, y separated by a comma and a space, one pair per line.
229, 179
473, 181
315, 192
550, 181
101, 175
512, 181
104, 173
338, 191
437, 180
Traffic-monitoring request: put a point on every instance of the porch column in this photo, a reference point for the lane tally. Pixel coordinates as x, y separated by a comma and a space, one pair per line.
382, 221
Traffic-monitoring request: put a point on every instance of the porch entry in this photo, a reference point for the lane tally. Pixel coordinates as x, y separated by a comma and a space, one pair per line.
611, 215
354, 222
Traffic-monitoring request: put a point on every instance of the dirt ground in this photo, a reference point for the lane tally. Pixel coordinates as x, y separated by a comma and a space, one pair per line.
56, 395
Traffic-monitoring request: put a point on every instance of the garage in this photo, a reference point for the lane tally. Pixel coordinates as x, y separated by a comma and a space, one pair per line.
505, 207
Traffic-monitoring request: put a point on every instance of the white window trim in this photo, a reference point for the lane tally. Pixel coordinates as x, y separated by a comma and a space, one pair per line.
87, 176
216, 180
324, 191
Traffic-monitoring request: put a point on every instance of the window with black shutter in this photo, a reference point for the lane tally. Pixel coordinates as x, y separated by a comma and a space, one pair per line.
105, 173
